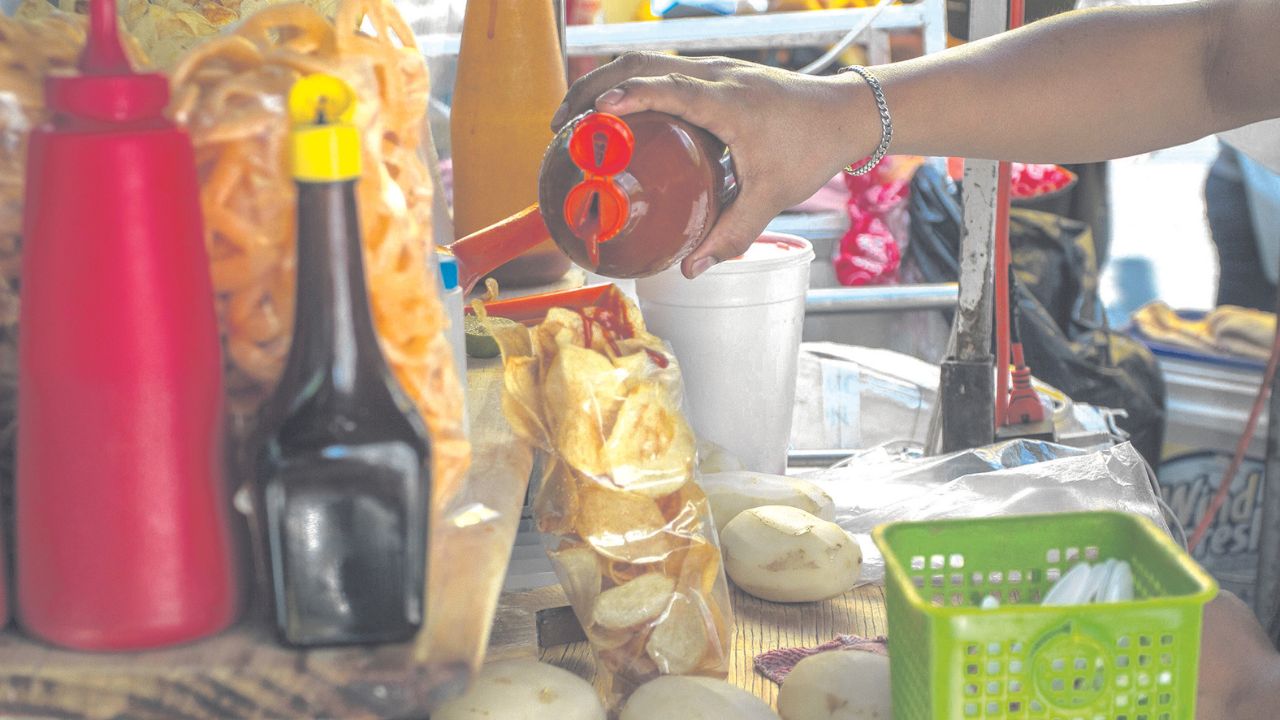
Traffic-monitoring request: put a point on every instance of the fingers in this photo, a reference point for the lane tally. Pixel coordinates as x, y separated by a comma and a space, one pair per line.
691, 99
582, 96
738, 227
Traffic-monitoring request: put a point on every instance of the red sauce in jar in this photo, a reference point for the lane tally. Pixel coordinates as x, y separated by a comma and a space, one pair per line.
677, 182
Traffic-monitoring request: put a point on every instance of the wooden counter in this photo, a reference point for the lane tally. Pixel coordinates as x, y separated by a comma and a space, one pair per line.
242, 673
761, 626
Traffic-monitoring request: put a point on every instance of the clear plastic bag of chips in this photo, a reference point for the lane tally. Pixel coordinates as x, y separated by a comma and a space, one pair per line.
627, 528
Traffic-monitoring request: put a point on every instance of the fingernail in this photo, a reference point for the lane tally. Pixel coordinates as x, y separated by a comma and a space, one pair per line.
701, 266
612, 97
558, 119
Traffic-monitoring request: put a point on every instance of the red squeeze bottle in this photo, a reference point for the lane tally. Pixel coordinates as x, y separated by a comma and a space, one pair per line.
123, 540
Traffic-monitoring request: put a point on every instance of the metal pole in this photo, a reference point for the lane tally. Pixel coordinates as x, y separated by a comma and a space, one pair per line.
888, 298
1267, 591
967, 386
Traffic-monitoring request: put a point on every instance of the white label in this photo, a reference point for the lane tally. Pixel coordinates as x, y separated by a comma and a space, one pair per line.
842, 405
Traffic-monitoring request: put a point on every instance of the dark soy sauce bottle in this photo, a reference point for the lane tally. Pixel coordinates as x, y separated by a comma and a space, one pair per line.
343, 462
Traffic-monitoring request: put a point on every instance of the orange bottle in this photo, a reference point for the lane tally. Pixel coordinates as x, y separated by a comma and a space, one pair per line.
511, 78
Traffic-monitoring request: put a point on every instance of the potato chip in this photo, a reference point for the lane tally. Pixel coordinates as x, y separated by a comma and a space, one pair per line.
578, 568
700, 569
512, 339
561, 328
636, 603
680, 639
555, 507
603, 639
623, 526
686, 510
581, 397
630, 662
522, 401
619, 572
721, 639
651, 449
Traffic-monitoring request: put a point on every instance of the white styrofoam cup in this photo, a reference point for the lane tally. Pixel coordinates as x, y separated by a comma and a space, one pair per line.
736, 333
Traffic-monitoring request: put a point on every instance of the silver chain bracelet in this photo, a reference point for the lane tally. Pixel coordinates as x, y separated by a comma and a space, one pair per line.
886, 122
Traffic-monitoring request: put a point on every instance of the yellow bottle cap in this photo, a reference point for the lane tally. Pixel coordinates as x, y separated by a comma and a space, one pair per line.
326, 144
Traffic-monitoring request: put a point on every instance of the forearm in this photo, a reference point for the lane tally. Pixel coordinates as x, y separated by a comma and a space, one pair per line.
1089, 86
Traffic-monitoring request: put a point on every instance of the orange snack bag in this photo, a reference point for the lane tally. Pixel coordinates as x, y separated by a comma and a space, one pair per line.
230, 92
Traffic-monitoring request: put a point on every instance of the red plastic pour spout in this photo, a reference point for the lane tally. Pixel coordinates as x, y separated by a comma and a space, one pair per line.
484, 251
106, 90
103, 53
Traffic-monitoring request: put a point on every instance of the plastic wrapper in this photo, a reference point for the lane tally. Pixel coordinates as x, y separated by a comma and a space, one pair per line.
230, 92
896, 482
627, 528
167, 29
871, 251
851, 397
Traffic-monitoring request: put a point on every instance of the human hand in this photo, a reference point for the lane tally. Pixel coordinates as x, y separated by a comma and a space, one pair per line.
1239, 668
788, 133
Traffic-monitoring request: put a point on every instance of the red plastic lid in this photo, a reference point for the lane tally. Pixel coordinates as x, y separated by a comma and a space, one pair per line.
596, 210
107, 89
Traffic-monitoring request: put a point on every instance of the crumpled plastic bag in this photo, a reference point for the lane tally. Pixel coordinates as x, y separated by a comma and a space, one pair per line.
850, 397
896, 482
871, 251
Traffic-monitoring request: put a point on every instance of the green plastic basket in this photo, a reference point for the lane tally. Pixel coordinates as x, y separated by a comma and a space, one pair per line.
952, 660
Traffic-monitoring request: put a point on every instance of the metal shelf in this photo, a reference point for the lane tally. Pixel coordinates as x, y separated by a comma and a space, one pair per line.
880, 298
736, 32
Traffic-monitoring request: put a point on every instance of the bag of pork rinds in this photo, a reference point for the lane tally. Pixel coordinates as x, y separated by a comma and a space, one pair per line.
230, 93
627, 528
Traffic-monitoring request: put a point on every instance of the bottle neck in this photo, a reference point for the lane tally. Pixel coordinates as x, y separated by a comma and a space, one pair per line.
333, 326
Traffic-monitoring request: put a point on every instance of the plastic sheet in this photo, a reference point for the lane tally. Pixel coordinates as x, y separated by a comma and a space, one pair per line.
230, 93
851, 397
897, 482
628, 529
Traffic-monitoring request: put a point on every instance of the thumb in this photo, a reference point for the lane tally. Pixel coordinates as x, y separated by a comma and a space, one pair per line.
688, 98
738, 227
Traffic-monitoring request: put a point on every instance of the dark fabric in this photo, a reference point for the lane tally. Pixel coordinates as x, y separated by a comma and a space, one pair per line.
777, 664
1091, 205
1241, 280
1063, 327
958, 13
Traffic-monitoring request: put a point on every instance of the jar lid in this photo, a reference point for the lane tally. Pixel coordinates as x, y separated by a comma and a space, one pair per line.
771, 251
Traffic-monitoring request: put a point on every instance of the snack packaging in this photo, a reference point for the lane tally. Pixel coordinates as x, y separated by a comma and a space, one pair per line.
167, 29
626, 526
230, 92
